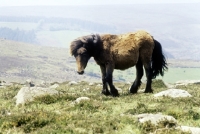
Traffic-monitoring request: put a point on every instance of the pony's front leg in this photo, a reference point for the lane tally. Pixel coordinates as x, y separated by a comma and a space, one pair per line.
105, 90
109, 79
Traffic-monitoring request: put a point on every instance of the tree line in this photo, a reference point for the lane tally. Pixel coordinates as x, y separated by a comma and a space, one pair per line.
18, 35
66, 23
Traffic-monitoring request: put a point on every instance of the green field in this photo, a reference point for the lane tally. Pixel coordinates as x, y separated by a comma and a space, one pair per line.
172, 75
176, 74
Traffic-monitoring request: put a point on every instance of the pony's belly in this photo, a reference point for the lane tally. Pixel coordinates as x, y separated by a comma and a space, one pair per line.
125, 64
126, 59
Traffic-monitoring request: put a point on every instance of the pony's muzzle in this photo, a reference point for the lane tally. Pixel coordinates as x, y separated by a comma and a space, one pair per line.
82, 72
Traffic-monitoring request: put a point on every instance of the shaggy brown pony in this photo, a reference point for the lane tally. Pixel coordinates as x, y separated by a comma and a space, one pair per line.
121, 52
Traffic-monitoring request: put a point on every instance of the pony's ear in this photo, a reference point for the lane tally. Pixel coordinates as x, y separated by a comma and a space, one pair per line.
84, 40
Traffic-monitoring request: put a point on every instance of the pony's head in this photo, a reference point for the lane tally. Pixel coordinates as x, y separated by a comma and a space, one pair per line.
82, 50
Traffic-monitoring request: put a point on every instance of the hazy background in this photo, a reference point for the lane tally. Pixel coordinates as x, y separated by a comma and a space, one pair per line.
56, 23
86, 2
35, 35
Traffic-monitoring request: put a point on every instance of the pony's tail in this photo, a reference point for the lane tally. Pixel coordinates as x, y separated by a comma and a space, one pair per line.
159, 64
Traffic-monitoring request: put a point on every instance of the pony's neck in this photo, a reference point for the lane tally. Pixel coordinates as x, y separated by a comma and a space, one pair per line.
95, 49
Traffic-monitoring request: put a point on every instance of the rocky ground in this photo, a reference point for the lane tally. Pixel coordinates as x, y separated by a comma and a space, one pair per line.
173, 109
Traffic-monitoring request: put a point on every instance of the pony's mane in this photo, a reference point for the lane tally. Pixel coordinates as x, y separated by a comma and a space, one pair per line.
75, 45
79, 42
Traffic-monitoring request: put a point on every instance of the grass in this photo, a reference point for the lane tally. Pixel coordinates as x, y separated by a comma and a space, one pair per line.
101, 114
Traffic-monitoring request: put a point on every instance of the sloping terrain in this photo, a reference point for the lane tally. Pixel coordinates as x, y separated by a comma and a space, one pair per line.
21, 61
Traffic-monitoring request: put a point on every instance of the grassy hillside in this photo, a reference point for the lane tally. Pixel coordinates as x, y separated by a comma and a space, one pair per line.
101, 114
21, 61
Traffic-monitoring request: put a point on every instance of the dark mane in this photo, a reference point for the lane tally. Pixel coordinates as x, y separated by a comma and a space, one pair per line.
92, 39
75, 45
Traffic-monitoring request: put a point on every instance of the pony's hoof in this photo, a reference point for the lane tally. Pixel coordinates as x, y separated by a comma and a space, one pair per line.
148, 91
115, 94
132, 92
106, 93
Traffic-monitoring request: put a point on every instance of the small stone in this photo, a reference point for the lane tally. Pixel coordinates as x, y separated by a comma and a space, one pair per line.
72, 83
174, 93
155, 118
91, 84
78, 100
86, 89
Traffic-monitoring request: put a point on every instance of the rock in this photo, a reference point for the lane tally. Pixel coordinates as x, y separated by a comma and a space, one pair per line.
174, 93
27, 94
72, 83
54, 86
4, 84
78, 100
192, 130
29, 83
91, 84
86, 89
43, 84
155, 118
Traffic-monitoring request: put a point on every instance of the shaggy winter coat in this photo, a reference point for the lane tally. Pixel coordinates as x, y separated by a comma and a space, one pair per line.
121, 52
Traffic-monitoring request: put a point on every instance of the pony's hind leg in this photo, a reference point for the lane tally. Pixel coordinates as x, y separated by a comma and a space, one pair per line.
146, 54
148, 71
139, 74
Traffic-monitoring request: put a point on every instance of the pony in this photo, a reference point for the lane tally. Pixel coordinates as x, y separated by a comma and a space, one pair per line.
122, 51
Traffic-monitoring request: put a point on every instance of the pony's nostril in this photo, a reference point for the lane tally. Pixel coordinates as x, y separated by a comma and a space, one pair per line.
82, 72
